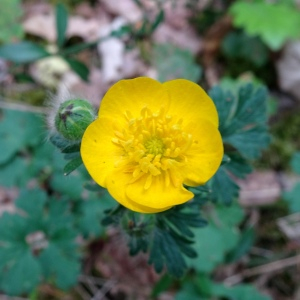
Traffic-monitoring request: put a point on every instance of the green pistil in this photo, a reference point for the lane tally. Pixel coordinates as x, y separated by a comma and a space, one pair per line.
154, 146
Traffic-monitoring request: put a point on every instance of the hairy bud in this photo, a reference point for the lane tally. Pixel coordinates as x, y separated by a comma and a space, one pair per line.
73, 117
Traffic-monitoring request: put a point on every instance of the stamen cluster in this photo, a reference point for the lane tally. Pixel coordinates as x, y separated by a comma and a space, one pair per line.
153, 144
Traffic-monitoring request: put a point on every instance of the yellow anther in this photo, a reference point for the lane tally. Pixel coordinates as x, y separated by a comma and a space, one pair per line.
153, 170
115, 140
136, 172
154, 145
119, 134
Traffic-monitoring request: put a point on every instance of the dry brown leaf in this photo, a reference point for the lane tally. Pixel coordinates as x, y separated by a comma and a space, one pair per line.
185, 38
125, 8
133, 65
133, 274
259, 188
288, 67
43, 25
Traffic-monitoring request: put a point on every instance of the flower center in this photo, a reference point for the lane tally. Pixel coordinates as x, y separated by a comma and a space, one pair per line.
153, 144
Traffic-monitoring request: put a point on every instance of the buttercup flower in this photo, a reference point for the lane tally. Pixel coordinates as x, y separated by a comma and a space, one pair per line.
151, 139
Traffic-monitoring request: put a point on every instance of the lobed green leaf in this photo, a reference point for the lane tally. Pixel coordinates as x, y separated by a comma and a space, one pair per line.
274, 23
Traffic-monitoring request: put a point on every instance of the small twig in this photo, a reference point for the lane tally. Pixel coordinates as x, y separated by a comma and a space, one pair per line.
267, 268
22, 107
4, 297
83, 294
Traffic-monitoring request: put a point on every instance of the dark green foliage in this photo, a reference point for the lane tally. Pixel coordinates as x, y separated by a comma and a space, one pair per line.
61, 24
241, 291
71, 149
72, 165
238, 45
37, 244
292, 196
162, 285
92, 211
203, 288
22, 52
218, 238
243, 125
223, 187
167, 236
295, 163
243, 119
18, 130
246, 241
78, 67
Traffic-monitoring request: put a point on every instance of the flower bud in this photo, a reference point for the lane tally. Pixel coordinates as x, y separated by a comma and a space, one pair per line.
73, 117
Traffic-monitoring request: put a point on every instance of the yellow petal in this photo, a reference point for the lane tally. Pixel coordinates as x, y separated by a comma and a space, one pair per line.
132, 95
205, 155
158, 195
117, 184
190, 102
98, 152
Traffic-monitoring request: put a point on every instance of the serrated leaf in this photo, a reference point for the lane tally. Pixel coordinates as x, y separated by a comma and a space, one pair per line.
47, 225
275, 23
91, 214
32, 203
18, 130
60, 267
155, 255
184, 246
22, 52
172, 62
61, 23
223, 188
243, 119
238, 166
174, 260
249, 142
67, 185
23, 276
72, 165
12, 173
218, 238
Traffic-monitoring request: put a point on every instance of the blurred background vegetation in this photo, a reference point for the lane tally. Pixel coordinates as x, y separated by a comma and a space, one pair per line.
57, 248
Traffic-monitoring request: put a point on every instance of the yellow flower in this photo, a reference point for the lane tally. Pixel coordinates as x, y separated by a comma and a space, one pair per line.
150, 139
